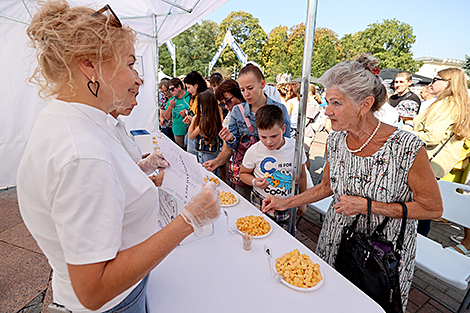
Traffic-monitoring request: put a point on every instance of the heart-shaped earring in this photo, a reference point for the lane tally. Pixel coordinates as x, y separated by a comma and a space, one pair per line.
96, 86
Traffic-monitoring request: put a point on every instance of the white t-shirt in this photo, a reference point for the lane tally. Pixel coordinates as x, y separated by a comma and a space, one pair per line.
119, 127
272, 93
387, 114
278, 164
80, 194
294, 114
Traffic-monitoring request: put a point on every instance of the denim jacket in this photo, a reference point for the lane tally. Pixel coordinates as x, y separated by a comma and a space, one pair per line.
238, 127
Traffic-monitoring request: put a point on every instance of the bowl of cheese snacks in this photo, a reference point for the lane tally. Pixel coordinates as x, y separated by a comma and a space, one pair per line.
256, 225
298, 272
227, 198
215, 180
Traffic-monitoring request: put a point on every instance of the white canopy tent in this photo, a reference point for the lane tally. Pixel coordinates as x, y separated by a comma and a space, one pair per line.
155, 22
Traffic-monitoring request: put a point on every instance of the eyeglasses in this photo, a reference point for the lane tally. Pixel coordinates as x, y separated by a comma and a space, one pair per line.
171, 89
435, 79
113, 15
228, 102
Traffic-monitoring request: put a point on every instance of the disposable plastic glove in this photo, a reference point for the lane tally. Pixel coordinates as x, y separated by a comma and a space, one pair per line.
202, 209
153, 162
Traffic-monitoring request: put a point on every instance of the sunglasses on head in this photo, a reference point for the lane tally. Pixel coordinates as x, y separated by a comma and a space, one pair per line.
228, 102
114, 17
435, 79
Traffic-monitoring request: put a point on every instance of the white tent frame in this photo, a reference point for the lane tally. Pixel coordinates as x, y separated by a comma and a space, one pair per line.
146, 114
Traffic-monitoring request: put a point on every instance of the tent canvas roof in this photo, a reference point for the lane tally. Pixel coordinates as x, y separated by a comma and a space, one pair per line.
20, 102
173, 16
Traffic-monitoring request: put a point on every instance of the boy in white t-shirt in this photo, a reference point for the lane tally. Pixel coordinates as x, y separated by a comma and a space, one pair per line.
268, 164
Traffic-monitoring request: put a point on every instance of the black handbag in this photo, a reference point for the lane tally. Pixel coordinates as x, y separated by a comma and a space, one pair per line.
371, 263
201, 146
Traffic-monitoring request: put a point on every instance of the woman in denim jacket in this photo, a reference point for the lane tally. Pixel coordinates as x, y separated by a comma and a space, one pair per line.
251, 82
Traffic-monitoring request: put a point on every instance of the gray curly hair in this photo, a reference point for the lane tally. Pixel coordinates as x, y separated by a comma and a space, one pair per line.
356, 80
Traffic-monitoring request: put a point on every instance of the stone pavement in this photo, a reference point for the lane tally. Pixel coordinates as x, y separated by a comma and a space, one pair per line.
25, 274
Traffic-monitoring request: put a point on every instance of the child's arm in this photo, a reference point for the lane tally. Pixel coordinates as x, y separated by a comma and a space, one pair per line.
246, 176
193, 131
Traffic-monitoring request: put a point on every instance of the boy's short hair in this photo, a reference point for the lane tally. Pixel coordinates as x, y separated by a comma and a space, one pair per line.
175, 82
269, 115
406, 75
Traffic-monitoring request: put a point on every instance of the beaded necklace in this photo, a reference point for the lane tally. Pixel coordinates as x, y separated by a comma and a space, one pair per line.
365, 143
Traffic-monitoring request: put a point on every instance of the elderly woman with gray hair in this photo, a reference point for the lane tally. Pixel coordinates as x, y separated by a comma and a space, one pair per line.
367, 158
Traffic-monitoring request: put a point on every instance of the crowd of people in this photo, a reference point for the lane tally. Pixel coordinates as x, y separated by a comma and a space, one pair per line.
83, 184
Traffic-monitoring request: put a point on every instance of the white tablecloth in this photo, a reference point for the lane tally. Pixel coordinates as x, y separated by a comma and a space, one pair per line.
215, 274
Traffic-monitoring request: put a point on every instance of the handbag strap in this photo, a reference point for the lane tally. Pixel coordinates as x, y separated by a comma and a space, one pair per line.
437, 152
247, 120
369, 210
401, 236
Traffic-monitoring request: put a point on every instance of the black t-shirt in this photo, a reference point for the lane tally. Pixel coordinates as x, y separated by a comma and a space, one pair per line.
395, 99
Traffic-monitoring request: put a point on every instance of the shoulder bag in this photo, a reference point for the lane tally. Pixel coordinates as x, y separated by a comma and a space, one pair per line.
201, 145
239, 153
371, 263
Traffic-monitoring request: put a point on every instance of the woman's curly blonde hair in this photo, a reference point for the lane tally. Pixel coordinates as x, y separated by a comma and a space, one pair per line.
61, 35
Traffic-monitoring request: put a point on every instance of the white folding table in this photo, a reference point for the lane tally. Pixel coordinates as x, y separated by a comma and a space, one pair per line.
215, 274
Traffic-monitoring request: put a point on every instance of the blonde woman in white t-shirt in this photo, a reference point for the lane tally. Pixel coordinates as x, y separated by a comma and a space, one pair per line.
89, 207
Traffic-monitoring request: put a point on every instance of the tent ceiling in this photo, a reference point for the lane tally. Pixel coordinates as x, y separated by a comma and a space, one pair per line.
173, 16
20, 103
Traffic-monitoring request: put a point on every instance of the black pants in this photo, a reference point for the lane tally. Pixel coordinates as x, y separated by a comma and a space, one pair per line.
424, 226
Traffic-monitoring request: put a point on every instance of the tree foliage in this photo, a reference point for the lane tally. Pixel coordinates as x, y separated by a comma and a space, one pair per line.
281, 51
289, 44
390, 41
466, 68
248, 34
195, 47
275, 55
466, 65
325, 54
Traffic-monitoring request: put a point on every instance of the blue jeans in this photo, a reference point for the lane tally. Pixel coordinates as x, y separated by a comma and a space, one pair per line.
135, 302
190, 145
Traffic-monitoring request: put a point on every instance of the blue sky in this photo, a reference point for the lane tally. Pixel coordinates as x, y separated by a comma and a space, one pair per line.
441, 27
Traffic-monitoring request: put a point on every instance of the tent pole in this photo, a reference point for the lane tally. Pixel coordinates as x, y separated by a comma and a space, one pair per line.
157, 62
306, 70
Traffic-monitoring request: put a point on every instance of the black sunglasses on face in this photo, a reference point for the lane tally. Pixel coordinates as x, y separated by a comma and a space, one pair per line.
113, 15
435, 79
171, 89
228, 102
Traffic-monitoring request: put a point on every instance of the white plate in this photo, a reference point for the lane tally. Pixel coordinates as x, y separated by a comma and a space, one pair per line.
303, 289
218, 180
227, 205
258, 237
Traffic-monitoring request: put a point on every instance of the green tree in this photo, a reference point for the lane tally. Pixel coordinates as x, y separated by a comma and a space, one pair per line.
195, 47
324, 54
164, 60
466, 65
248, 34
275, 55
466, 68
295, 48
390, 41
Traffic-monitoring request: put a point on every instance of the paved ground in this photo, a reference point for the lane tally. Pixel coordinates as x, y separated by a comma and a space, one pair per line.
25, 274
